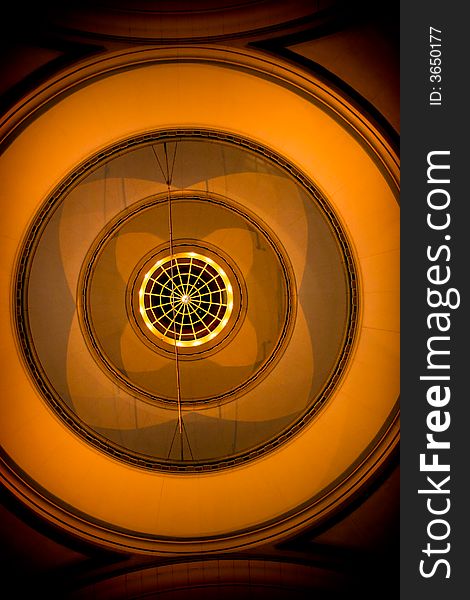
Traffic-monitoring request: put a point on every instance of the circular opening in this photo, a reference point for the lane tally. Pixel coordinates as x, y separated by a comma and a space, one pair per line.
186, 299
218, 262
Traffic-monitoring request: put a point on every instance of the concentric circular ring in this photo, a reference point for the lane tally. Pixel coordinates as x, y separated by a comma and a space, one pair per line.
186, 299
329, 458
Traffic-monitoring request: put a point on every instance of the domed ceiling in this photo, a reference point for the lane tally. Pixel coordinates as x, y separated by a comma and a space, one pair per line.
202, 260
106, 306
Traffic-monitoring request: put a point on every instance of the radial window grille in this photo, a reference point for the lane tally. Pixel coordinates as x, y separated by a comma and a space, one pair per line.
186, 299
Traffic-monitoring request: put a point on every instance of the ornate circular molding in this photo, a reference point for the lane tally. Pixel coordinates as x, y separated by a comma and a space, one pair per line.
239, 296
42, 378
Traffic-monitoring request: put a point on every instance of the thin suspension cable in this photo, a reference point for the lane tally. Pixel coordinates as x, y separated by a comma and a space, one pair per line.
168, 177
159, 164
170, 229
172, 441
189, 445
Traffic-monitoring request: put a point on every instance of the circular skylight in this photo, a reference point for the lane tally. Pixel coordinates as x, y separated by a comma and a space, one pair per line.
186, 299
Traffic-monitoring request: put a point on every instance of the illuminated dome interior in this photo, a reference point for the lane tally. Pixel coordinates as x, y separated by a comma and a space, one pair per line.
130, 383
200, 310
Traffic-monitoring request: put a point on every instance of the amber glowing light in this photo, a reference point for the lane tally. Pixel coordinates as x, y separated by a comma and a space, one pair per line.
186, 299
